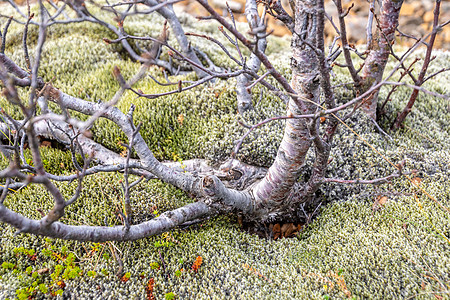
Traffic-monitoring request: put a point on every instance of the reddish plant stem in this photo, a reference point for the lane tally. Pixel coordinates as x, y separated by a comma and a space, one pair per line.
420, 80
406, 72
345, 46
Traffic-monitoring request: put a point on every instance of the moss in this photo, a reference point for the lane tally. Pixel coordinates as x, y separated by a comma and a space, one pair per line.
382, 254
349, 248
55, 161
80, 64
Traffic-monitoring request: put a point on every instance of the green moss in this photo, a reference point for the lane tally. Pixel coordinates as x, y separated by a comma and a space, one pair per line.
79, 63
383, 254
349, 248
55, 161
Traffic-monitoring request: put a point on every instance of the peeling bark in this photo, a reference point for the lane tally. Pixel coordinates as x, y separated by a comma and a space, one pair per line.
421, 79
271, 194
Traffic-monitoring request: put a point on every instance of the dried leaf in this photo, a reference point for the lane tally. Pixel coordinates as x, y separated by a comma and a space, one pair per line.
42, 271
416, 180
180, 119
125, 277
197, 263
149, 289
379, 202
276, 231
383, 200
287, 229
240, 221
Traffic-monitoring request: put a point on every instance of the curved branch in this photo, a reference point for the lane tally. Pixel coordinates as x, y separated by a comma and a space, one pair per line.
165, 222
168, 13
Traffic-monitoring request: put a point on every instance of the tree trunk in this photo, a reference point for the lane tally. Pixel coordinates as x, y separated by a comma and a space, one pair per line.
272, 193
372, 71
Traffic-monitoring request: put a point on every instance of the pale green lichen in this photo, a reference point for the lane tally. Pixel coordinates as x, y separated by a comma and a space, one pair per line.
398, 251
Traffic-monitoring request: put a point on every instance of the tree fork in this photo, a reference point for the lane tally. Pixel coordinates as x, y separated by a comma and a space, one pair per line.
373, 69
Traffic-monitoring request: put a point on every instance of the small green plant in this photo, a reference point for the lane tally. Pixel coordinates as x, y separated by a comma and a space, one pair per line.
52, 280
95, 247
7, 265
154, 265
57, 272
159, 244
92, 274
106, 256
28, 270
64, 250
170, 296
22, 250
72, 273
66, 271
43, 288
25, 293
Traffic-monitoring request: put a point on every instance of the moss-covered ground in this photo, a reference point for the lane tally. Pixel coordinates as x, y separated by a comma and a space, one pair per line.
351, 250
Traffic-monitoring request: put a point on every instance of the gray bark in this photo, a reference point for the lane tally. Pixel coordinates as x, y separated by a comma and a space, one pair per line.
168, 13
59, 230
244, 96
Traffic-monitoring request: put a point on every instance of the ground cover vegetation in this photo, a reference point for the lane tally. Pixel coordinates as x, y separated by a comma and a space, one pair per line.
76, 116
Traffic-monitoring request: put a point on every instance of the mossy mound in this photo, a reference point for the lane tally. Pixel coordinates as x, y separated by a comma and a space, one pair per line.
184, 125
352, 249
349, 250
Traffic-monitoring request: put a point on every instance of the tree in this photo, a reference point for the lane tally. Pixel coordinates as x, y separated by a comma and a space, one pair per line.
257, 194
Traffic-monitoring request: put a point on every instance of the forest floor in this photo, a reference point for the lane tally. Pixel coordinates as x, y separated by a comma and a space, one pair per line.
377, 242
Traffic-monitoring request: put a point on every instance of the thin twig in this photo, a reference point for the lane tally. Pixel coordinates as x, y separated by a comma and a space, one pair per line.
5, 31
376, 181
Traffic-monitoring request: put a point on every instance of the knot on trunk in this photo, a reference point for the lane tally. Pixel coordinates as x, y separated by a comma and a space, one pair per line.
223, 198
